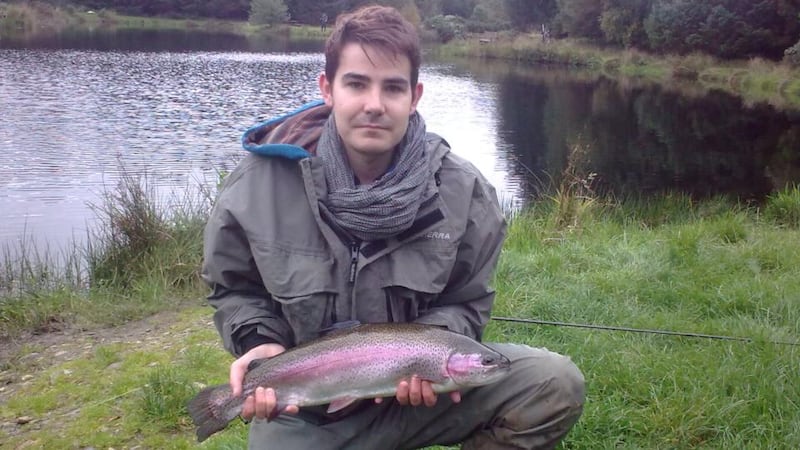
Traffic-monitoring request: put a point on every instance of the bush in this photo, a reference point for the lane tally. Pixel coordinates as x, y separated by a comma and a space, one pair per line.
684, 73
447, 28
488, 17
268, 12
791, 55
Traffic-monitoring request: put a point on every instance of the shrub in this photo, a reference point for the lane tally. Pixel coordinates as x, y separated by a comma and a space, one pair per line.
447, 28
685, 73
268, 12
791, 55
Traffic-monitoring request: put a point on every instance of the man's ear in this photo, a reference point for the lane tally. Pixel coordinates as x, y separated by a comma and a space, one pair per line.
415, 100
326, 89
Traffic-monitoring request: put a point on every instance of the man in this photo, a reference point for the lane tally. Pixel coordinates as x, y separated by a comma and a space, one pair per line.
348, 210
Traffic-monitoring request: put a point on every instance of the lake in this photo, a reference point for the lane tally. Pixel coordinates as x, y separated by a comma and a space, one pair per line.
76, 111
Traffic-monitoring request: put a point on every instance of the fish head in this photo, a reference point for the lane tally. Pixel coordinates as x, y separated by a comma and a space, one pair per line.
477, 368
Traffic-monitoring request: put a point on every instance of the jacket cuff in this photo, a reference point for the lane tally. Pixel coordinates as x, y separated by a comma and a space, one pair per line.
249, 338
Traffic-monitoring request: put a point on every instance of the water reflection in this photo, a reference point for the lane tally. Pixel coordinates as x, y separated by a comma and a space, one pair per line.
72, 118
644, 139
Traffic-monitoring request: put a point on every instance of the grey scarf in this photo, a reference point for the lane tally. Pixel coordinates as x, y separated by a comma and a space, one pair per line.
389, 205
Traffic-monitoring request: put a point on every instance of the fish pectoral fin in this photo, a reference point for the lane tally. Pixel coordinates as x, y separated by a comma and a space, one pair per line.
341, 403
255, 363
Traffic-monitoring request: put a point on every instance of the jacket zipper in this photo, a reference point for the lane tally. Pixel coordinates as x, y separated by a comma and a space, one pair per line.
355, 246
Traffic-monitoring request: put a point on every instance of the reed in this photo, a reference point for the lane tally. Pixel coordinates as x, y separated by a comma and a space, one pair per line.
144, 255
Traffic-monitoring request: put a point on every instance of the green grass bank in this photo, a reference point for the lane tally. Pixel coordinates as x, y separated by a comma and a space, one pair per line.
756, 80
121, 349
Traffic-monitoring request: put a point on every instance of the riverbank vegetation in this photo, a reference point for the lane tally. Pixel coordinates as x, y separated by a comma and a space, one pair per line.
117, 340
756, 80
729, 29
750, 49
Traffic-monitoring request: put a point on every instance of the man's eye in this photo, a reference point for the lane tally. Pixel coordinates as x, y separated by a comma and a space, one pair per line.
355, 85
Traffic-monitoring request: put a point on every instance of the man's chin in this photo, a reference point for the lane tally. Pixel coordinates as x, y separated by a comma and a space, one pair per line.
372, 146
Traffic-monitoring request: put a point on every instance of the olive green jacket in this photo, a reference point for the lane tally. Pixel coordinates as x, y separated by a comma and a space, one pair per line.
281, 271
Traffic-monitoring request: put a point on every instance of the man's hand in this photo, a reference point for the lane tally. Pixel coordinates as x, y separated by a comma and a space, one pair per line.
416, 392
262, 403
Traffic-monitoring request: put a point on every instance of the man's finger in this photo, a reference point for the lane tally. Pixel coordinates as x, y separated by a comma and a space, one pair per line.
415, 391
260, 402
428, 396
249, 408
236, 377
455, 396
402, 393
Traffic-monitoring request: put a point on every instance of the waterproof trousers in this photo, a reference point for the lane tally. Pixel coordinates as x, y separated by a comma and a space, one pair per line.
532, 408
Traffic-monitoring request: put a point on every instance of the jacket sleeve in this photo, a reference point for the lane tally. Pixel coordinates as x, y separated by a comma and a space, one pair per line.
246, 315
465, 304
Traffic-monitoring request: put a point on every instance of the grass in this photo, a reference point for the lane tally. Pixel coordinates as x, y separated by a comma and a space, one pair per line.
672, 263
144, 258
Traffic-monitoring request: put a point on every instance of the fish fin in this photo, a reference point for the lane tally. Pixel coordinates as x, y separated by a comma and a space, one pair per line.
255, 363
277, 411
205, 412
341, 403
338, 326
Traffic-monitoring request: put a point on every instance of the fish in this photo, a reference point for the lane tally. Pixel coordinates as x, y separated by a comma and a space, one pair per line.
347, 365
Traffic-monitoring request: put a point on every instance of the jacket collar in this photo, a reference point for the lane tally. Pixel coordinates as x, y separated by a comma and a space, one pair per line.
293, 136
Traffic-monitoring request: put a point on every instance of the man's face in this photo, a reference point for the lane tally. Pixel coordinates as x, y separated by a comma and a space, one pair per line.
372, 100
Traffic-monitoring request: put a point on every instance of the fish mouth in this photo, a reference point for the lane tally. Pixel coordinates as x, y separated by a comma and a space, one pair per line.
504, 363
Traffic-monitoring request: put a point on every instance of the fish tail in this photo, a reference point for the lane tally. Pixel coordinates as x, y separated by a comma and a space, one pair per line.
207, 414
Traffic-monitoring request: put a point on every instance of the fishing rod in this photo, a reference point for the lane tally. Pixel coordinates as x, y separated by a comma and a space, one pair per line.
637, 330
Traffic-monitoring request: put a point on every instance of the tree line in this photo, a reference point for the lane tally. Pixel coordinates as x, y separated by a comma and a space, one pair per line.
724, 28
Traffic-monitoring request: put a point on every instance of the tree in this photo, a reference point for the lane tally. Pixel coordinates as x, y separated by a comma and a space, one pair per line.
429, 8
488, 15
461, 8
267, 12
580, 18
622, 22
525, 14
725, 28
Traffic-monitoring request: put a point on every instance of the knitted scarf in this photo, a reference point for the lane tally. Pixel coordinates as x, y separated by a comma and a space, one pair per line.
387, 206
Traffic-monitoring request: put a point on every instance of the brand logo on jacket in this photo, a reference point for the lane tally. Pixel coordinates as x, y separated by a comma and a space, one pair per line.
438, 235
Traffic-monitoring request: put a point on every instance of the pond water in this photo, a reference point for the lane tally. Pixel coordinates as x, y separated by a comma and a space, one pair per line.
78, 110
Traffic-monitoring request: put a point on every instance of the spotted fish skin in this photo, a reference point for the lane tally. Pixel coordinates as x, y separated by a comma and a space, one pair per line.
366, 361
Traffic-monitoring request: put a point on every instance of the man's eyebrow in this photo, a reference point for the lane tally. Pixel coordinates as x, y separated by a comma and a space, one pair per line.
355, 76
361, 77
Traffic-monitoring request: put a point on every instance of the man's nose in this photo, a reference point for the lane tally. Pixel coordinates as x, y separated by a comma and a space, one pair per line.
373, 103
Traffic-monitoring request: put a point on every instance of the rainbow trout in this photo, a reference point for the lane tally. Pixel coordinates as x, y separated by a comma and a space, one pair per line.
365, 361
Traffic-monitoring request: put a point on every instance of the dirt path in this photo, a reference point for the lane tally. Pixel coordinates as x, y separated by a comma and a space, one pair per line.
23, 359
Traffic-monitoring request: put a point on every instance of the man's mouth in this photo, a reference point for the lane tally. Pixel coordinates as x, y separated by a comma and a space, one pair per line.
371, 126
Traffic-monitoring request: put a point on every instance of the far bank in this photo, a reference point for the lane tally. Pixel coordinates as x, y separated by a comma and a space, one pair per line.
755, 80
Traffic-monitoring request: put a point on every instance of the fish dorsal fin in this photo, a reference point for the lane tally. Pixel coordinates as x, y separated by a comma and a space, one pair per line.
338, 326
255, 363
341, 403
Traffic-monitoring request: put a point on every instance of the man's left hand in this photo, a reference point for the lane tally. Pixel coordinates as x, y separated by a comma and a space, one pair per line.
416, 392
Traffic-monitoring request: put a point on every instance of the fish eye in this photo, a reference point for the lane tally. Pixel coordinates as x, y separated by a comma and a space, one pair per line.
488, 360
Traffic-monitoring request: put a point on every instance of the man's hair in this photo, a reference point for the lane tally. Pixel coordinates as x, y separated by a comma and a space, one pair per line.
381, 27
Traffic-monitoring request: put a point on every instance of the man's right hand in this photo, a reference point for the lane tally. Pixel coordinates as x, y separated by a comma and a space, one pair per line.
262, 403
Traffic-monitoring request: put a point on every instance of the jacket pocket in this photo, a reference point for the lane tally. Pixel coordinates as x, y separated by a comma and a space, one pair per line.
404, 304
301, 281
415, 276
